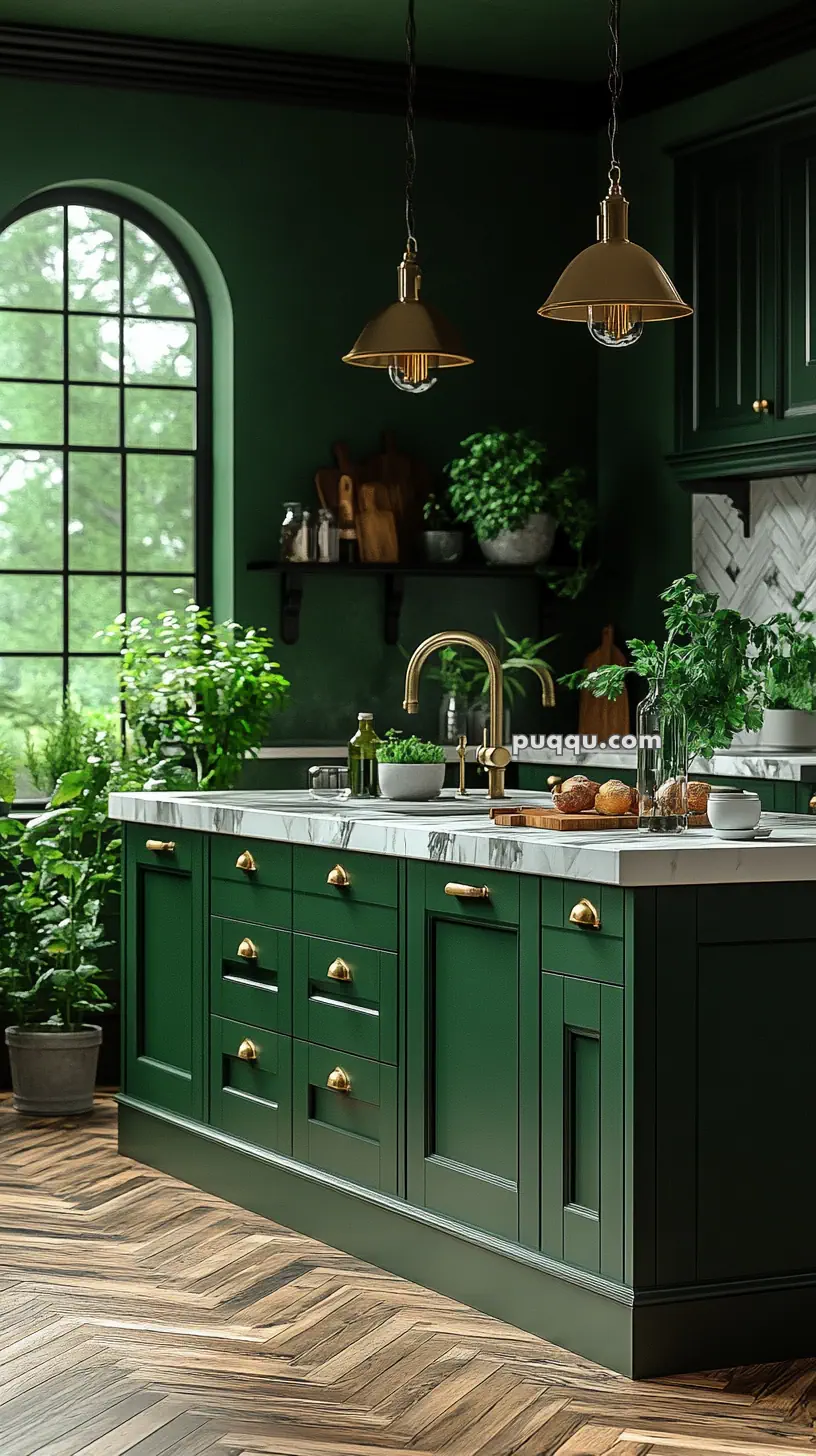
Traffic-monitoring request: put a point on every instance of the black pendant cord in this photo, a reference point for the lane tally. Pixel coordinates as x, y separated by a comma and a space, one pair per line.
615, 89
410, 145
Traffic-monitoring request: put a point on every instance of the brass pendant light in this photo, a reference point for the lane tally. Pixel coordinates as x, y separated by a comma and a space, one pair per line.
614, 286
409, 338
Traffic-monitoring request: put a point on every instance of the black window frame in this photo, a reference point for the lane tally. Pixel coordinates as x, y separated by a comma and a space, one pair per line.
147, 222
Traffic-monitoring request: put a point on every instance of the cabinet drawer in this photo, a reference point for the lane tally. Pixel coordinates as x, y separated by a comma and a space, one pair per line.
360, 905
156, 844
246, 987
251, 1099
580, 950
353, 1133
354, 1007
262, 894
501, 904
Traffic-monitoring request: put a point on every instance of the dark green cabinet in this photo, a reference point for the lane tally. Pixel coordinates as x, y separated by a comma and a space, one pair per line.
745, 249
345, 1115
251, 1084
165, 930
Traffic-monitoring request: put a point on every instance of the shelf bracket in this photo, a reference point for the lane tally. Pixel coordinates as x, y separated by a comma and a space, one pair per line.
394, 592
736, 488
291, 590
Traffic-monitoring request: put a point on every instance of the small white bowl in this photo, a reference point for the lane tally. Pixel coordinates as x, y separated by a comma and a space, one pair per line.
733, 810
411, 782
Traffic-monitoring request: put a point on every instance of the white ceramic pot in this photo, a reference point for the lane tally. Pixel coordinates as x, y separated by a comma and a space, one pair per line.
53, 1072
527, 546
411, 781
732, 809
788, 730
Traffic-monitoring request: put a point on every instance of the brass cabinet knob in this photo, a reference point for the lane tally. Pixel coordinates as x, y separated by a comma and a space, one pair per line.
554, 782
761, 406
246, 862
467, 892
247, 1051
339, 877
248, 950
339, 970
160, 846
339, 1080
585, 915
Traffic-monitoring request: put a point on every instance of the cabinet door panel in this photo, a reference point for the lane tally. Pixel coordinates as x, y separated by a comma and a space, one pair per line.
351, 1133
463, 1099
724, 233
796, 388
252, 1099
582, 1123
164, 934
255, 988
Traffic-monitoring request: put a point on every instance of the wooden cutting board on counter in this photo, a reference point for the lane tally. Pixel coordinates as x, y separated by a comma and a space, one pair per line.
538, 818
597, 716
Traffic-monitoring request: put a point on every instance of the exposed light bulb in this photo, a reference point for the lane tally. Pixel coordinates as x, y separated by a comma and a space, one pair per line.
409, 372
616, 325
402, 381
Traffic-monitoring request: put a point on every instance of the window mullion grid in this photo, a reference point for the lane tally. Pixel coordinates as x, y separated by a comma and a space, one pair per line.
122, 458
66, 581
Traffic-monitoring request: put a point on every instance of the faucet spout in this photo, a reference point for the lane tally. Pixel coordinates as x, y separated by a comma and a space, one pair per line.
492, 755
547, 684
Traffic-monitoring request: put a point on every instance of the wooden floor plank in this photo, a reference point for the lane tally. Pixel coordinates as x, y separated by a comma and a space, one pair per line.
140, 1317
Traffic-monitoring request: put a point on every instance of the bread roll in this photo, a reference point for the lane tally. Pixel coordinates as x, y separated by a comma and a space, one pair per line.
698, 792
613, 797
576, 795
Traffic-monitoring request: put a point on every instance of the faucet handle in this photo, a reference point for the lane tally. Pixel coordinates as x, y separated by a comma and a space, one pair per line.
496, 756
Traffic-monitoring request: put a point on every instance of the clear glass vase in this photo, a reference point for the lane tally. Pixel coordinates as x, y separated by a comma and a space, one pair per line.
453, 718
662, 763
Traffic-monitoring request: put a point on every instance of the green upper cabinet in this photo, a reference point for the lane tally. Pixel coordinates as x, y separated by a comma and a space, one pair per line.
746, 377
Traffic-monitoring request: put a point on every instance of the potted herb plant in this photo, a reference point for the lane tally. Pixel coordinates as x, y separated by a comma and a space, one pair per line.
442, 540
409, 768
201, 690
499, 486
789, 720
517, 658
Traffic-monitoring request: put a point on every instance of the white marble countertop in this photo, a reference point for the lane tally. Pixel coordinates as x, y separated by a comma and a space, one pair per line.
742, 763
460, 838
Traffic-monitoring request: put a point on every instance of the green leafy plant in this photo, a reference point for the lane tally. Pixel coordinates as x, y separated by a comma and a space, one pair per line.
790, 679
517, 658
500, 481
199, 689
455, 673
63, 743
712, 663
8, 773
396, 749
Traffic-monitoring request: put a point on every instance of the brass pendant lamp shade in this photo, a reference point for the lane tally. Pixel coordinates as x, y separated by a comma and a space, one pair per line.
614, 286
409, 338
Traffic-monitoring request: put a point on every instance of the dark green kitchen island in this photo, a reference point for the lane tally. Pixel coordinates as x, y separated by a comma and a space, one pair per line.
599, 1132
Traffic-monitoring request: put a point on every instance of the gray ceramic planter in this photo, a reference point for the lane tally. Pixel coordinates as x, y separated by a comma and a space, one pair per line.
443, 548
53, 1072
527, 546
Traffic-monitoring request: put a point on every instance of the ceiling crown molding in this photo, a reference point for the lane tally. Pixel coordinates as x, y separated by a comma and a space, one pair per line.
146, 63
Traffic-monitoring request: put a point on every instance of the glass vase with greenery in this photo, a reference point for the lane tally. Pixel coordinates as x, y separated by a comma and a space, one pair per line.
203, 690
519, 657
500, 481
455, 673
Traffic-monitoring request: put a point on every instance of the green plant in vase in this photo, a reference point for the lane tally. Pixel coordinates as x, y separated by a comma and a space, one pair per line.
203, 690
519, 657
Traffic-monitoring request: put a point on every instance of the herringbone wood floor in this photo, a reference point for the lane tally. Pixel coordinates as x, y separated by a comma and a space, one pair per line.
139, 1315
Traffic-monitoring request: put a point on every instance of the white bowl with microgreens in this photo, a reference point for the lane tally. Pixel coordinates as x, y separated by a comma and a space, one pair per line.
410, 769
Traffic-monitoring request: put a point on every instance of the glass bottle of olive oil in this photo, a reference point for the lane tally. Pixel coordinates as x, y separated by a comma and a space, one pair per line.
362, 759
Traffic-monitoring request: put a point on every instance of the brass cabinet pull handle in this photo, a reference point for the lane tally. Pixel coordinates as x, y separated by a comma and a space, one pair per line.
585, 915
246, 862
467, 892
247, 1051
338, 1080
160, 846
339, 877
248, 950
761, 406
339, 970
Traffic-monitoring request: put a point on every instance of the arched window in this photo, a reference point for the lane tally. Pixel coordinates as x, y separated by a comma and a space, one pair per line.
105, 428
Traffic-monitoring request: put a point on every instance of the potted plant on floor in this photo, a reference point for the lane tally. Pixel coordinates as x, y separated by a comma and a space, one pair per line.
499, 486
789, 720
409, 768
199, 690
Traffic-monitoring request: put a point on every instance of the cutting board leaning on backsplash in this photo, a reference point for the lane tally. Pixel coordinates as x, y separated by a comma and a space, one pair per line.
598, 716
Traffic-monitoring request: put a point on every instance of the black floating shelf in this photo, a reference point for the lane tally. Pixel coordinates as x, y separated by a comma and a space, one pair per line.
292, 574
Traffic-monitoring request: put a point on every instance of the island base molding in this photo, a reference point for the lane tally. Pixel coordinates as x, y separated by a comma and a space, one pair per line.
637, 1333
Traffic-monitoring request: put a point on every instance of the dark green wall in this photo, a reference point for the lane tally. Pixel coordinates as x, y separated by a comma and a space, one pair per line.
302, 210
646, 516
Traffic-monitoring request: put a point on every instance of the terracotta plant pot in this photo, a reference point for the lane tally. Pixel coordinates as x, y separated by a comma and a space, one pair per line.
53, 1072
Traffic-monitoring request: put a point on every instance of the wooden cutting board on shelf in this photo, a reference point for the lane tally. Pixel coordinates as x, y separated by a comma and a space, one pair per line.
598, 716
376, 528
327, 478
405, 483
543, 818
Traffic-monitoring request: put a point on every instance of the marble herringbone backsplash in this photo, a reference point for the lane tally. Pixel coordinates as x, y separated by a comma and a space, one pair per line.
758, 574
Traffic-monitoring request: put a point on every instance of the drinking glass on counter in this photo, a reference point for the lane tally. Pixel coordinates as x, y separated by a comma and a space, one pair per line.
329, 781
